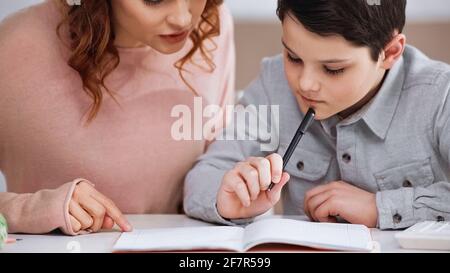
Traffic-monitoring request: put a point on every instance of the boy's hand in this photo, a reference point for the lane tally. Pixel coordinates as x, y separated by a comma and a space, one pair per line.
89, 209
353, 204
243, 191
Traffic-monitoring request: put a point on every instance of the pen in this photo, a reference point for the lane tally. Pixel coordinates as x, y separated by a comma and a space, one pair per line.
306, 122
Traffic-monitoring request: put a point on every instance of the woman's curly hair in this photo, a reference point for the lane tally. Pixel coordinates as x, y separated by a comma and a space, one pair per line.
93, 54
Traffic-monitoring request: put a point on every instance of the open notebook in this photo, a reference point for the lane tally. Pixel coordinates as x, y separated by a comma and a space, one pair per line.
286, 231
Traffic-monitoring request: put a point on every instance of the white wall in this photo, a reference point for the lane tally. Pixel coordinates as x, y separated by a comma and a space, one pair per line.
8, 6
264, 10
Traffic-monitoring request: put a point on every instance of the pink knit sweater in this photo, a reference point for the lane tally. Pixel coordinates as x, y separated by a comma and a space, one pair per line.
128, 151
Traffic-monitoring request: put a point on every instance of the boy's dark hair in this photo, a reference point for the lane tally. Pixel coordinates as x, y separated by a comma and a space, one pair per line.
368, 23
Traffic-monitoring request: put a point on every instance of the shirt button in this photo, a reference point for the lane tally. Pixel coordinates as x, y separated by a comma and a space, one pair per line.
397, 218
440, 219
407, 184
300, 165
347, 158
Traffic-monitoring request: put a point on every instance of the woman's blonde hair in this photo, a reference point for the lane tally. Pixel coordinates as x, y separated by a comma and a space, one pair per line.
94, 56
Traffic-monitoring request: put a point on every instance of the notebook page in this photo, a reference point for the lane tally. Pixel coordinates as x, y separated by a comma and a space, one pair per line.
318, 235
182, 238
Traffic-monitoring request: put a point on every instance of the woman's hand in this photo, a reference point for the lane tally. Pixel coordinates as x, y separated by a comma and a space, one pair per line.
243, 191
357, 206
89, 209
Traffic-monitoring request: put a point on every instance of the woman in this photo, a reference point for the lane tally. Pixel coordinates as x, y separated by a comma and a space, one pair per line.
86, 93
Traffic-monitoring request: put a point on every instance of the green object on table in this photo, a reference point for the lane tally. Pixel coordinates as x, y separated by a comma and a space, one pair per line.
3, 231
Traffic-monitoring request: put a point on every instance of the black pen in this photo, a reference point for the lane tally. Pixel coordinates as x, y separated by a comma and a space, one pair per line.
306, 122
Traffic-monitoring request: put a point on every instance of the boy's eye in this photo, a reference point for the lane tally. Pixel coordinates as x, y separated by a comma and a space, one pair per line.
334, 72
153, 2
293, 59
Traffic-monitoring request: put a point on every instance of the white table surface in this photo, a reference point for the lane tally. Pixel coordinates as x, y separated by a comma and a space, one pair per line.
104, 241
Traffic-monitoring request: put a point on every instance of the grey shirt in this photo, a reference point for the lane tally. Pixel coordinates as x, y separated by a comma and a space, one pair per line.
397, 146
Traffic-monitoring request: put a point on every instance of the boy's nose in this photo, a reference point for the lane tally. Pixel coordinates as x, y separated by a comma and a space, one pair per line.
180, 18
308, 83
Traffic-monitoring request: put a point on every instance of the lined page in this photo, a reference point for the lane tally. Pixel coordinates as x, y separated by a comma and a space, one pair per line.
317, 235
183, 238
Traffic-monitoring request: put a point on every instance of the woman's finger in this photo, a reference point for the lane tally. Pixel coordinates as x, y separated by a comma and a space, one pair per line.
108, 222
96, 210
80, 214
113, 211
76, 226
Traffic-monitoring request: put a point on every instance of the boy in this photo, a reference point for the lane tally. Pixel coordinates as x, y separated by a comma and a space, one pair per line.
378, 153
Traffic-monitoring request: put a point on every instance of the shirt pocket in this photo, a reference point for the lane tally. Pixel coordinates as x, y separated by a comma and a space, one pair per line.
415, 174
309, 166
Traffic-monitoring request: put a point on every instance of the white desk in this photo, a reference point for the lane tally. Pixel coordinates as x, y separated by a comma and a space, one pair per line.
104, 241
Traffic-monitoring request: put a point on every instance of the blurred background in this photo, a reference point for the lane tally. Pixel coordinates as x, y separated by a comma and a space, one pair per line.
258, 32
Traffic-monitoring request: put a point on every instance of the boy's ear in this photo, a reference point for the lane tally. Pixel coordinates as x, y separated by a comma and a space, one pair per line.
393, 51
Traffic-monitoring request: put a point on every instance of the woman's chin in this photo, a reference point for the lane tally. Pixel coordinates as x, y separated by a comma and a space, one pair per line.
168, 49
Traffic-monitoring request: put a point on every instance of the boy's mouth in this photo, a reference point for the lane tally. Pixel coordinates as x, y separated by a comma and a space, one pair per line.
310, 101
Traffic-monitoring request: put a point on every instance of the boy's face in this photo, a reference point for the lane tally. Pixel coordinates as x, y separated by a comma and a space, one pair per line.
328, 74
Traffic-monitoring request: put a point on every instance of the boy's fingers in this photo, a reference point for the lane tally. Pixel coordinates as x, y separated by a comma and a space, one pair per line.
240, 189
324, 213
76, 226
276, 167
313, 192
251, 178
113, 211
325, 187
275, 193
315, 202
262, 165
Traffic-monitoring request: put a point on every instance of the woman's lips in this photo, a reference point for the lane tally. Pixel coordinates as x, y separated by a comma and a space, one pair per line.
176, 37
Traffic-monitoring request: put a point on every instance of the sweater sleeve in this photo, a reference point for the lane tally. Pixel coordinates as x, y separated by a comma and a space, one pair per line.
39, 212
